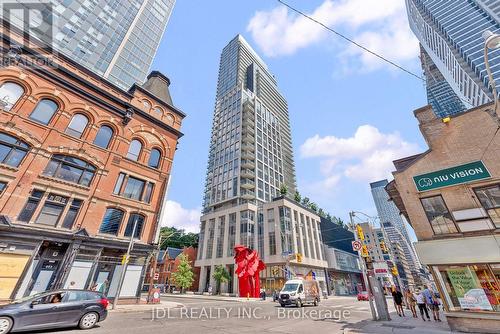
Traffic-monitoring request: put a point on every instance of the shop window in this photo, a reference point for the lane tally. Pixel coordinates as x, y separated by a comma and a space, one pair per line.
9, 95
154, 158
133, 188
30, 206
12, 150
133, 219
52, 210
472, 287
490, 200
3, 185
103, 137
77, 125
111, 221
44, 111
70, 169
134, 150
70, 218
438, 215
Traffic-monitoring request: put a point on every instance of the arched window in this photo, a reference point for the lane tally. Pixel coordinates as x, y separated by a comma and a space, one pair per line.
44, 111
111, 221
134, 150
103, 136
9, 94
77, 125
146, 105
170, 119
12, 150
154, 158
134, 217
70, 169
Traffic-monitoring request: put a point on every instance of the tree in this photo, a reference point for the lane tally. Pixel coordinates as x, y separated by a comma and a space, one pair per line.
306, 201
221, 276
313, 206
321, 212
177, 238
338, 221
328, 217
297, 197
183, 276
283, 190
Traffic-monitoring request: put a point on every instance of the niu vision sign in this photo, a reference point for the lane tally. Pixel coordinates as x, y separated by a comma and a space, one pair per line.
451, 176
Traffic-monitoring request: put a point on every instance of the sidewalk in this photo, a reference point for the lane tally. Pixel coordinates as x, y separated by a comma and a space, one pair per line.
210, 297
400, 325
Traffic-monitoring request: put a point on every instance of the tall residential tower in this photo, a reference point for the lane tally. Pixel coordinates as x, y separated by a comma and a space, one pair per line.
250, 160
450, 33
117, 39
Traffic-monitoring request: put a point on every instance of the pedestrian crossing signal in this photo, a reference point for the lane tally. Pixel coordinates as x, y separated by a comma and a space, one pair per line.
383, 246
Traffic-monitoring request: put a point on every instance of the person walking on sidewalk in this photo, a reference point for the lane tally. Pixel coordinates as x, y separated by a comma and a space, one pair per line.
412, 302
398, 300
421, 305
435, 307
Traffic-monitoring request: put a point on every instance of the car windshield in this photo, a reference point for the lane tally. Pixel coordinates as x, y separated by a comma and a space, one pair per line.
290, 287
24, 299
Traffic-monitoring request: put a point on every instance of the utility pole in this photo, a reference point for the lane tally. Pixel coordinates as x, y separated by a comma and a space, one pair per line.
125, 264
363, 267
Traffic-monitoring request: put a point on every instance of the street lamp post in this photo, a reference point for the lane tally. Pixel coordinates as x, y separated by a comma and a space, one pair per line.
492, 41
365, 271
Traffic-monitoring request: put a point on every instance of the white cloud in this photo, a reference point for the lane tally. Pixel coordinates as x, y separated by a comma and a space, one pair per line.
179, 217
378, 25
365, 157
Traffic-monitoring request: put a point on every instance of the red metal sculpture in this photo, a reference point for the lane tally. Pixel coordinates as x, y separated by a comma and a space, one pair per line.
248, 267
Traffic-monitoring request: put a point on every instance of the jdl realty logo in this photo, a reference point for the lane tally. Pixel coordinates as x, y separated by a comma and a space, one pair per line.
469, 172
27, 24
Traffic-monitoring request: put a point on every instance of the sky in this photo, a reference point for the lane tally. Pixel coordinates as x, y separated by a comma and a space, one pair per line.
351, 114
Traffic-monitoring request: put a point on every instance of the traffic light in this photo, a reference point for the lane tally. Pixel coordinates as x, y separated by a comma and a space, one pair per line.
361, 235
383, 246
395, 271
299, 257
364, 251
275, 271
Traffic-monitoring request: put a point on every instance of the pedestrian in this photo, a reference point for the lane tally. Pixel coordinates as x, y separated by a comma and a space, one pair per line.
103, 288
421, 305
435, 307
398, 300
72, 285
209, 289
412, 301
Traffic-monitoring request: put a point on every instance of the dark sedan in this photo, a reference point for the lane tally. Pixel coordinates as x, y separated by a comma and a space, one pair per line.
54, 309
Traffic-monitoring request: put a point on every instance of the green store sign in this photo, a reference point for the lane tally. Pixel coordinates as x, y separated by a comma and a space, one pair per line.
472, 171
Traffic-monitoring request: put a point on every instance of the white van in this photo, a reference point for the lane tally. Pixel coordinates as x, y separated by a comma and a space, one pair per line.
299, 292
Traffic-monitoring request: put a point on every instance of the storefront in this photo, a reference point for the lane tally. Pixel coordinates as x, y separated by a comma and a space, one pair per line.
37, 261
345, 283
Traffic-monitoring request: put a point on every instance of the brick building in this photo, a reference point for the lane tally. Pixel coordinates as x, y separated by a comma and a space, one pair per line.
81, 163
451, 196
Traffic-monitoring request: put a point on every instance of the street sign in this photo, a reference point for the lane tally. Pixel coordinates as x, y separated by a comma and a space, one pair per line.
356, 245
313, 274
156, 276
469, 172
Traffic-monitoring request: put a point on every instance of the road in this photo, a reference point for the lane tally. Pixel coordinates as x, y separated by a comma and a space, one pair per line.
212, 316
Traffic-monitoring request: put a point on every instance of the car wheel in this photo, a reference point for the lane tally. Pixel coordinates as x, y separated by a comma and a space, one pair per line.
88, 320
316, 302
282, 305
299, 303
5, 325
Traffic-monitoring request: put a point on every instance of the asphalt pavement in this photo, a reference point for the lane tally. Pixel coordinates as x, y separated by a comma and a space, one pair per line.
181, 315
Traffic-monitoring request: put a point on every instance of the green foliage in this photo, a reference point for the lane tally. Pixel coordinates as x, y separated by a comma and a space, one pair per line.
283, 190
313, 206
338, 221
297, 198
321, 212
306, 201
221, 275
328, 217
172, 237
183, 276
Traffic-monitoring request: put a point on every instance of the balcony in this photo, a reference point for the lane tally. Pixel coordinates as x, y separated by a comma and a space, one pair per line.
248, 164
247, 194
247, 138
248, 147
249, 120
247, 184
247, 173
247, 155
